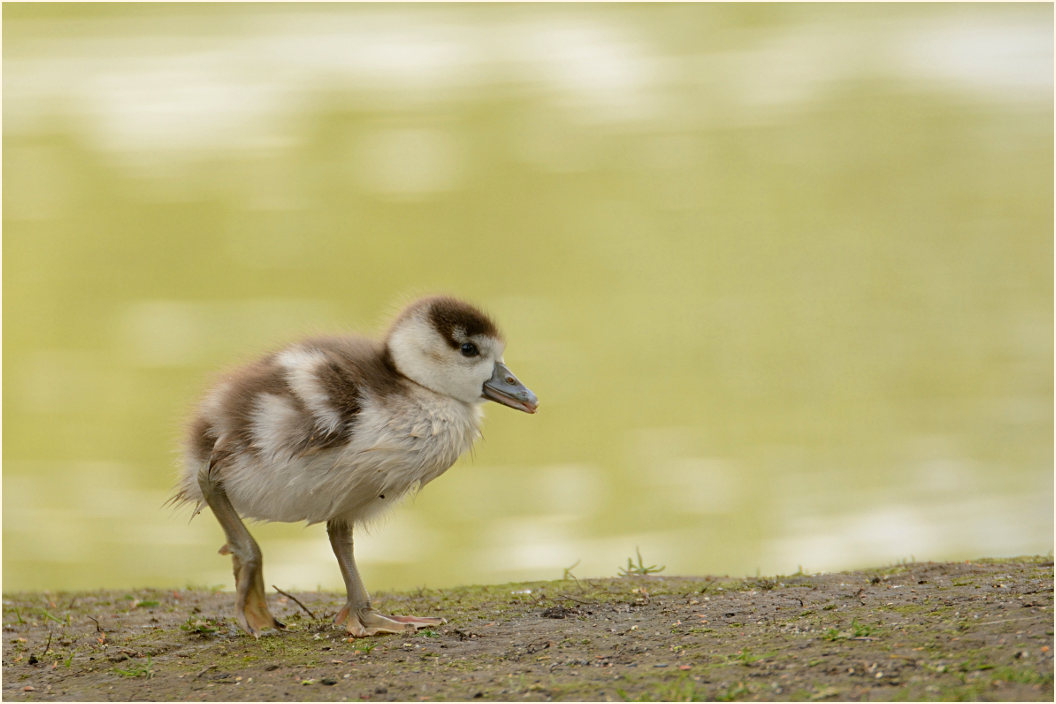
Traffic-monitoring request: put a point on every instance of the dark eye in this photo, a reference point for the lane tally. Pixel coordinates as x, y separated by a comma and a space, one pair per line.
469, 349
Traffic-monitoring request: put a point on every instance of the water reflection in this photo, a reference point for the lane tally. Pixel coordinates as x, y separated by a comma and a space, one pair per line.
163, 90
780, 274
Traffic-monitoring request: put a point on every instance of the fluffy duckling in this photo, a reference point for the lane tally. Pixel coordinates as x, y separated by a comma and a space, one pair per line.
337, 429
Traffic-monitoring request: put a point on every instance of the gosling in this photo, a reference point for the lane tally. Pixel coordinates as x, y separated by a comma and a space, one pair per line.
338, 429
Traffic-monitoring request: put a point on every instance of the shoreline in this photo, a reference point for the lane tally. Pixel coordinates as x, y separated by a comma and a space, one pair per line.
933, 630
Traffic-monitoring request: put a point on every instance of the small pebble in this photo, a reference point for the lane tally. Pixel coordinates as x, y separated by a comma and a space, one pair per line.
29, 688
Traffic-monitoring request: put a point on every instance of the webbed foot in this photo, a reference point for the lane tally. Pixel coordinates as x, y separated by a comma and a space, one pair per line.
363, 622
251, 606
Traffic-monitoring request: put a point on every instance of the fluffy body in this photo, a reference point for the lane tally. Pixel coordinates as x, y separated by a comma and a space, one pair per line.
291, 457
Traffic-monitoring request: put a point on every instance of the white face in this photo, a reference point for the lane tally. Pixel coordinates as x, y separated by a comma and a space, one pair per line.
424, 355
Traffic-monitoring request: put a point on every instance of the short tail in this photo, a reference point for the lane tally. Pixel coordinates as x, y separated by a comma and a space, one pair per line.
185, 493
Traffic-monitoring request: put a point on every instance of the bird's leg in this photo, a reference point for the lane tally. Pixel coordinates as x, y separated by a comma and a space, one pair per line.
358, 617
250, 604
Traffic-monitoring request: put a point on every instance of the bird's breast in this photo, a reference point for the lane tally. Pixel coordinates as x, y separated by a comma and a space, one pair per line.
398, 446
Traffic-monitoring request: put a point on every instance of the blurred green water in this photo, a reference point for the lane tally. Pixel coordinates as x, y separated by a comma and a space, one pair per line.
780, 275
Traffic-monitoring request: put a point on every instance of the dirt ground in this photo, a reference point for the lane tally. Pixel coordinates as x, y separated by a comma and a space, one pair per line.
980, 630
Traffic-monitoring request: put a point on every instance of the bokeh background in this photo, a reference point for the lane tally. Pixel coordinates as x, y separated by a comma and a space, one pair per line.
781, 275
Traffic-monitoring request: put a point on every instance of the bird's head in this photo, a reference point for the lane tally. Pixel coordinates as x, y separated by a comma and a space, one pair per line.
454, 349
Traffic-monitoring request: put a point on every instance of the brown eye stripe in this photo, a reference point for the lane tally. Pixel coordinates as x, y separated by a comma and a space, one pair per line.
451, 317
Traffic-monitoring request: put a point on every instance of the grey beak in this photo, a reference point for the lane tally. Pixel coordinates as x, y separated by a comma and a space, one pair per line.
503, 387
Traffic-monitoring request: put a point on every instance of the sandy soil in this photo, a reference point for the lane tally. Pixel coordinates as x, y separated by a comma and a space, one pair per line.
980, 630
